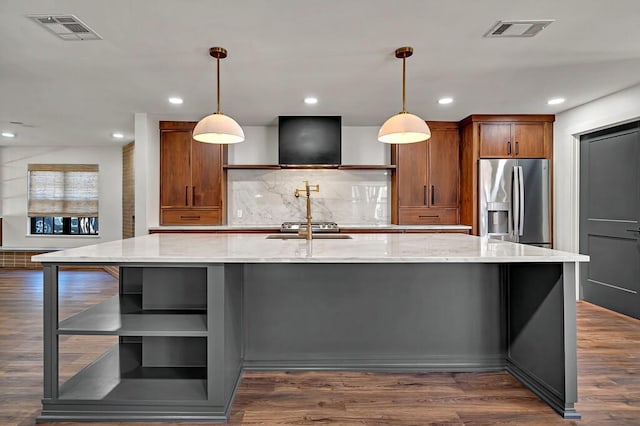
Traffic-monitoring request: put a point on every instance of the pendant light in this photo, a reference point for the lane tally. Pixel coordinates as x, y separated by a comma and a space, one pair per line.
217, 127
404, 127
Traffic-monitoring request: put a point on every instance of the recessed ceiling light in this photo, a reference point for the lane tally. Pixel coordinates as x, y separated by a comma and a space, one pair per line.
310, 100
175, 100
8, 134
555, 101
445, 101
117, 135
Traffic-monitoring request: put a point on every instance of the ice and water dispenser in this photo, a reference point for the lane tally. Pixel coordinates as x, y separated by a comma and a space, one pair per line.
498, 218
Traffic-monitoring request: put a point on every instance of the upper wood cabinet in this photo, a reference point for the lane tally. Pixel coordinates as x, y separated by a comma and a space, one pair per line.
498, 136
191, 177
512, 140
426, 180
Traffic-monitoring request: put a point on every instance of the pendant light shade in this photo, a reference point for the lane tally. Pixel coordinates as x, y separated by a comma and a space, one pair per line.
217, 127
404, 127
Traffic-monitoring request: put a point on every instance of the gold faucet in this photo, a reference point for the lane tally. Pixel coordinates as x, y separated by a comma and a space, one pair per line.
308, 189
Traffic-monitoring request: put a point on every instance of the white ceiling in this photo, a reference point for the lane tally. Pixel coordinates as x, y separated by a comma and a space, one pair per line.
79, 92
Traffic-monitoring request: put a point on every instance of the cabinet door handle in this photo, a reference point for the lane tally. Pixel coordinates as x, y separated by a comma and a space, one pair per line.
517, 148
425, 216
433, 194
190, 217
509, 147
193, 195
426, 195
186, 195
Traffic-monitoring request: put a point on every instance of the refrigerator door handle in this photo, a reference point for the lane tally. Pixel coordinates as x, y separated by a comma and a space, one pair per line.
521, 201
515, 200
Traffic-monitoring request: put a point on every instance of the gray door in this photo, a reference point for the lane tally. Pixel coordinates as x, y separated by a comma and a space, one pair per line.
536, 199
609, 215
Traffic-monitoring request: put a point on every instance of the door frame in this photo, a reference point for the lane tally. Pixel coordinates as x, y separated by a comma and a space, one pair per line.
609, 132
575, 134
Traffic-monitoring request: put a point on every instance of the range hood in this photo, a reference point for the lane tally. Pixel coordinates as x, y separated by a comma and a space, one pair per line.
313, 141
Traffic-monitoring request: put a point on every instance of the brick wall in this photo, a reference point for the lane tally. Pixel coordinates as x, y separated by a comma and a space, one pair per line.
19, 259
113, 270
128, 191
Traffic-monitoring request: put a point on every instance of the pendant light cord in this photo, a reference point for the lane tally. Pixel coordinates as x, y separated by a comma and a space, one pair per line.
218, 66
404, 75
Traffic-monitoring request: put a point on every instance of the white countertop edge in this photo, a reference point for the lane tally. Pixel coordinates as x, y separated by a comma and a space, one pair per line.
256, 248
385, 260
277, 227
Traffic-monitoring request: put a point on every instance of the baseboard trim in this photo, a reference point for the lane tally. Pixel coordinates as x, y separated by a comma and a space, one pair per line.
543, 391
378, 365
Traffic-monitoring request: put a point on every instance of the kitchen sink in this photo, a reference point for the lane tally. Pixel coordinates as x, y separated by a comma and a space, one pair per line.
302, 237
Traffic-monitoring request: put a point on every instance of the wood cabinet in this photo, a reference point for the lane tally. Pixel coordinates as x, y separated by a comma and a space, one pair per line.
425, 184
191, 177
512, 140
498, 136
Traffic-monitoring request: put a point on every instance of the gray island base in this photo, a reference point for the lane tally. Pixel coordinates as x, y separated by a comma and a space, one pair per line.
195, 311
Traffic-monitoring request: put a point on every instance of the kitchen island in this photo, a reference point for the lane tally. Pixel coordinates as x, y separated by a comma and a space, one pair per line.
195, 310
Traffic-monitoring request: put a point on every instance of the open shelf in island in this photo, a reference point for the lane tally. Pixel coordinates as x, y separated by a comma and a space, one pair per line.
124, 316
119, 376
178, 351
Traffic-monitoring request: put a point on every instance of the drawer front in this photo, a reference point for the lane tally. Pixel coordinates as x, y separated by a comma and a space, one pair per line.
427, 216
438, 231
190, 217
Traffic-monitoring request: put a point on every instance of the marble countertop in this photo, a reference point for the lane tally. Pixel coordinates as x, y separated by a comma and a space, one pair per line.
256, 248
276, 228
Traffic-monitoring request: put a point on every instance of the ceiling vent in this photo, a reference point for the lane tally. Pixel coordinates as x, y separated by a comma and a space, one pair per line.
67, 27
517, 28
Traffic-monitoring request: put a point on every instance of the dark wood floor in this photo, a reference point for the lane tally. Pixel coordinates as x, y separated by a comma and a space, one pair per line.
608, 372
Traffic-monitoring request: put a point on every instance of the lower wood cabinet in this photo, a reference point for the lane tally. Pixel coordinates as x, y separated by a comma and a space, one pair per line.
427, 215
190, 216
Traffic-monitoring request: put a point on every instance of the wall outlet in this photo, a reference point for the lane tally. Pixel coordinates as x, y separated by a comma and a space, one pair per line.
239, 213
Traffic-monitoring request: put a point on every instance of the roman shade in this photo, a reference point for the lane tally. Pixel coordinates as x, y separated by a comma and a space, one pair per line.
68, 190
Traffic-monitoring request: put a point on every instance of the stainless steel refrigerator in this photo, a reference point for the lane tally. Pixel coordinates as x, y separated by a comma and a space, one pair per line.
515, 201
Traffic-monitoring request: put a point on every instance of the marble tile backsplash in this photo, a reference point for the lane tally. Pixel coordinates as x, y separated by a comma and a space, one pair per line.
347, 197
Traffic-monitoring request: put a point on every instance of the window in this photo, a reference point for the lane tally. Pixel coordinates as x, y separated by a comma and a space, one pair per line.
59, 225
63, 199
